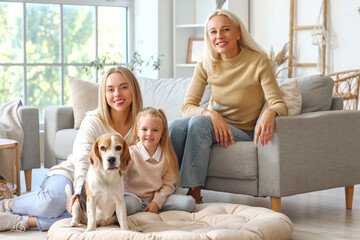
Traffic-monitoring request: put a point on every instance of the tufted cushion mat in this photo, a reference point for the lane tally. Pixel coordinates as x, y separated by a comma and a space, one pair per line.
209, 221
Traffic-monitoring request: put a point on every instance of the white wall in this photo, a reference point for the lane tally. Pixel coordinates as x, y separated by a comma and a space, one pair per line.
165, 38
240, 8
146, 31
344, 22
269, 25
153, 34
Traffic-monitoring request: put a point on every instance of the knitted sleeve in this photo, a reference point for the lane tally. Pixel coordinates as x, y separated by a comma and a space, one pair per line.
271, 87
191, 105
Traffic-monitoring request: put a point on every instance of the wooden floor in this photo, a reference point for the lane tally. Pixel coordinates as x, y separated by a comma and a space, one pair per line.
317, 215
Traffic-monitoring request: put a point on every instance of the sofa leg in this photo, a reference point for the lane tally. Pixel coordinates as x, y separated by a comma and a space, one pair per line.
275, 204
28, 179
349, 194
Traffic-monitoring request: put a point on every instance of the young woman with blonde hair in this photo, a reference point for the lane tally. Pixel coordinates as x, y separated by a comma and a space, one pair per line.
240, 75
119, 102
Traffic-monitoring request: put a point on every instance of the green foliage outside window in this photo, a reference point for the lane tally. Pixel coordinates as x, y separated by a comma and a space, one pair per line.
10, 51
40, 81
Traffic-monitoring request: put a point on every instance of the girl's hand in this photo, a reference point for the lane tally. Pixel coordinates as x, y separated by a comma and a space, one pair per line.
221, 128
266, 127
152, 207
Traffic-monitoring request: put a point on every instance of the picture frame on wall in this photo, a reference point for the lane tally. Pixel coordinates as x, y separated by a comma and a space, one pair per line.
195, 49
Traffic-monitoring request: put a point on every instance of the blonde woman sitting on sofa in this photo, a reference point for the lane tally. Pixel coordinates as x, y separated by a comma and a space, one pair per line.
240, 76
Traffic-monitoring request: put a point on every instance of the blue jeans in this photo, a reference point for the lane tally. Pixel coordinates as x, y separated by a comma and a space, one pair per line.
192, 139
47, 205
173, 202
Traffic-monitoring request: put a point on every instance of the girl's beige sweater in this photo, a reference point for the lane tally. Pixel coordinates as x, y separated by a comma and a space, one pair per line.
148, 178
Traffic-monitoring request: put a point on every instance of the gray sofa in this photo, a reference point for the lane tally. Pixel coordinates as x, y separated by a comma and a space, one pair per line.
315, 150
30, 155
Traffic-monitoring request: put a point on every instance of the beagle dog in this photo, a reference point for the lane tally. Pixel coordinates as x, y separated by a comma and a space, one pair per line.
102, 193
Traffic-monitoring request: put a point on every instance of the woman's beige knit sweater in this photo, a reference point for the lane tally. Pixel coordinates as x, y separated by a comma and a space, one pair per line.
238, 86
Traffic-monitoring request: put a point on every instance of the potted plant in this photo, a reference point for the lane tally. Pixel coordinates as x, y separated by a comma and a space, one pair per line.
136, 63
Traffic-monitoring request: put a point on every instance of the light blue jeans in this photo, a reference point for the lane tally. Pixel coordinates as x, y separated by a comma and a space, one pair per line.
192, 139
47, 205
173, 202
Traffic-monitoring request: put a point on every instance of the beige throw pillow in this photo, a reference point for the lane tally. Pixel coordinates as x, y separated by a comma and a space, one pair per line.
290, 91
84, 96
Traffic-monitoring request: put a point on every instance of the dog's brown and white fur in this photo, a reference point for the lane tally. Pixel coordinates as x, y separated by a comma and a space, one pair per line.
102, 193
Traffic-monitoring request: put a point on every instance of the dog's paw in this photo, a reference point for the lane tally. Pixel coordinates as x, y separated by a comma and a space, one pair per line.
73, 224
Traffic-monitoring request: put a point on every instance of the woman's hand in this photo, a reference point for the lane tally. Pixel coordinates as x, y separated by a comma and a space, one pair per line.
221, 128
266, 127
152, 207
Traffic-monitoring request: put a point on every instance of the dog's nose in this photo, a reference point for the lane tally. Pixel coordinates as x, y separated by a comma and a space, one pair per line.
111, 160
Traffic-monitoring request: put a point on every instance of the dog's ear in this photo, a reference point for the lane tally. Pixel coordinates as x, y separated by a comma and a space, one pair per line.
95, 156
125, 157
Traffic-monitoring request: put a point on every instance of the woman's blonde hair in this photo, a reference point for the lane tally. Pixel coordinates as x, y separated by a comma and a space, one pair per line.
136, 104
211, 57
168, 152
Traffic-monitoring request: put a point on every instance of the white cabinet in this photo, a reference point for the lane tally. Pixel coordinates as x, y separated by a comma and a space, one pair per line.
189, 18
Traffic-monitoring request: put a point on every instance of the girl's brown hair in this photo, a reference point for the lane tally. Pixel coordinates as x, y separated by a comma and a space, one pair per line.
168, 152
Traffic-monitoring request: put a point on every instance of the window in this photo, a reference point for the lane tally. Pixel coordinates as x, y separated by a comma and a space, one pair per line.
42, 42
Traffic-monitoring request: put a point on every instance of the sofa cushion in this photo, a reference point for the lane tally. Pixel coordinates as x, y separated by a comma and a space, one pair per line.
238, 160
168, 94
84, 98
222, 221
316, 92
64, 140
290, 92
337, 103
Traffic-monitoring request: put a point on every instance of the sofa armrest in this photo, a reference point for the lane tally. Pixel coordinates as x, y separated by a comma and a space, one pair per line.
55, 118
29, 119
310, 152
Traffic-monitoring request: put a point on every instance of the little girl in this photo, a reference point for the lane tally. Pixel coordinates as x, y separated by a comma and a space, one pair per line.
153, 171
